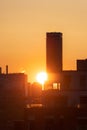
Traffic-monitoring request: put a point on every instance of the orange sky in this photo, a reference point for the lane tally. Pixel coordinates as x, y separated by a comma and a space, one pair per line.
23, 27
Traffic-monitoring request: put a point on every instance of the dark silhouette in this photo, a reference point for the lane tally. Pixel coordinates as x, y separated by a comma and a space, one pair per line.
61, 106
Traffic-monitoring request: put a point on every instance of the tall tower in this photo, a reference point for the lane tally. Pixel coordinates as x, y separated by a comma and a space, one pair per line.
54, 52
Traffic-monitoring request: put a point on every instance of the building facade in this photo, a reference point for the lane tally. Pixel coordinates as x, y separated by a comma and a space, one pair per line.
54, 52
62, 84
12, 98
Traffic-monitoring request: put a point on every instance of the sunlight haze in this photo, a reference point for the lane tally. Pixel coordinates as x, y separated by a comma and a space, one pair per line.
23, 27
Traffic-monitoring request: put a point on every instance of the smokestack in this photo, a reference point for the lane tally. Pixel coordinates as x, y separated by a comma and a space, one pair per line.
0, 70
6, 69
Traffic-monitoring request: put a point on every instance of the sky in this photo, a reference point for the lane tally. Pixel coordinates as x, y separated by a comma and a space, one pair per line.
23, 27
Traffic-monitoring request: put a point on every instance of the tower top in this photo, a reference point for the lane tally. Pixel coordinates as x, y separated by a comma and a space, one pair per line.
54, 34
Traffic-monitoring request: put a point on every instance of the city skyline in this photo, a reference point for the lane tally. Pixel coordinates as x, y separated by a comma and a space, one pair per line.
23, 33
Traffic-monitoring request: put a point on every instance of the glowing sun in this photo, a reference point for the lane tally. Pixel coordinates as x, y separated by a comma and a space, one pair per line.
41, 77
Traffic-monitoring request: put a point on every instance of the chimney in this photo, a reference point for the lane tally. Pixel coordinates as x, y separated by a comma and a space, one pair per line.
0, 70
6, 69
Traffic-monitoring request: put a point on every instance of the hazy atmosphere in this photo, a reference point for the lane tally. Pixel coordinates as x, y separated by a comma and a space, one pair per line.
23, 27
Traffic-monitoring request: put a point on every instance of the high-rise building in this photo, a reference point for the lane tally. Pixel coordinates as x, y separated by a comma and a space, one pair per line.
54, 52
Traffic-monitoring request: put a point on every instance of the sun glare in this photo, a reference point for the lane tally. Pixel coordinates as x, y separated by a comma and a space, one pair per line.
41, 77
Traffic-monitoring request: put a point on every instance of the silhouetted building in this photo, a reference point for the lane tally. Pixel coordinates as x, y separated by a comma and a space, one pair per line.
69, 84
63, 86
43, 118
12, 98
82, 65
54, 52
35, 89
34, 93
64, 100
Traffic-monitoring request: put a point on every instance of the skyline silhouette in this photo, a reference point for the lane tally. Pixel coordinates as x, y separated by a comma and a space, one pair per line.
58, 103
38, 36
24, 24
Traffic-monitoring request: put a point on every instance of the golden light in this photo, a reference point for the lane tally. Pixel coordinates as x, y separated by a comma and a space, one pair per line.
41, 78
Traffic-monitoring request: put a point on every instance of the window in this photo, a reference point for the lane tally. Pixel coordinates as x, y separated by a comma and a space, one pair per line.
56, 86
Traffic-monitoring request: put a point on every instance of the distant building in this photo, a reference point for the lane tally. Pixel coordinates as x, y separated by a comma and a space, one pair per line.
69, 89
43, 118
63, 88
12, 97
54, 52
82, 65
64, 100
34, 93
